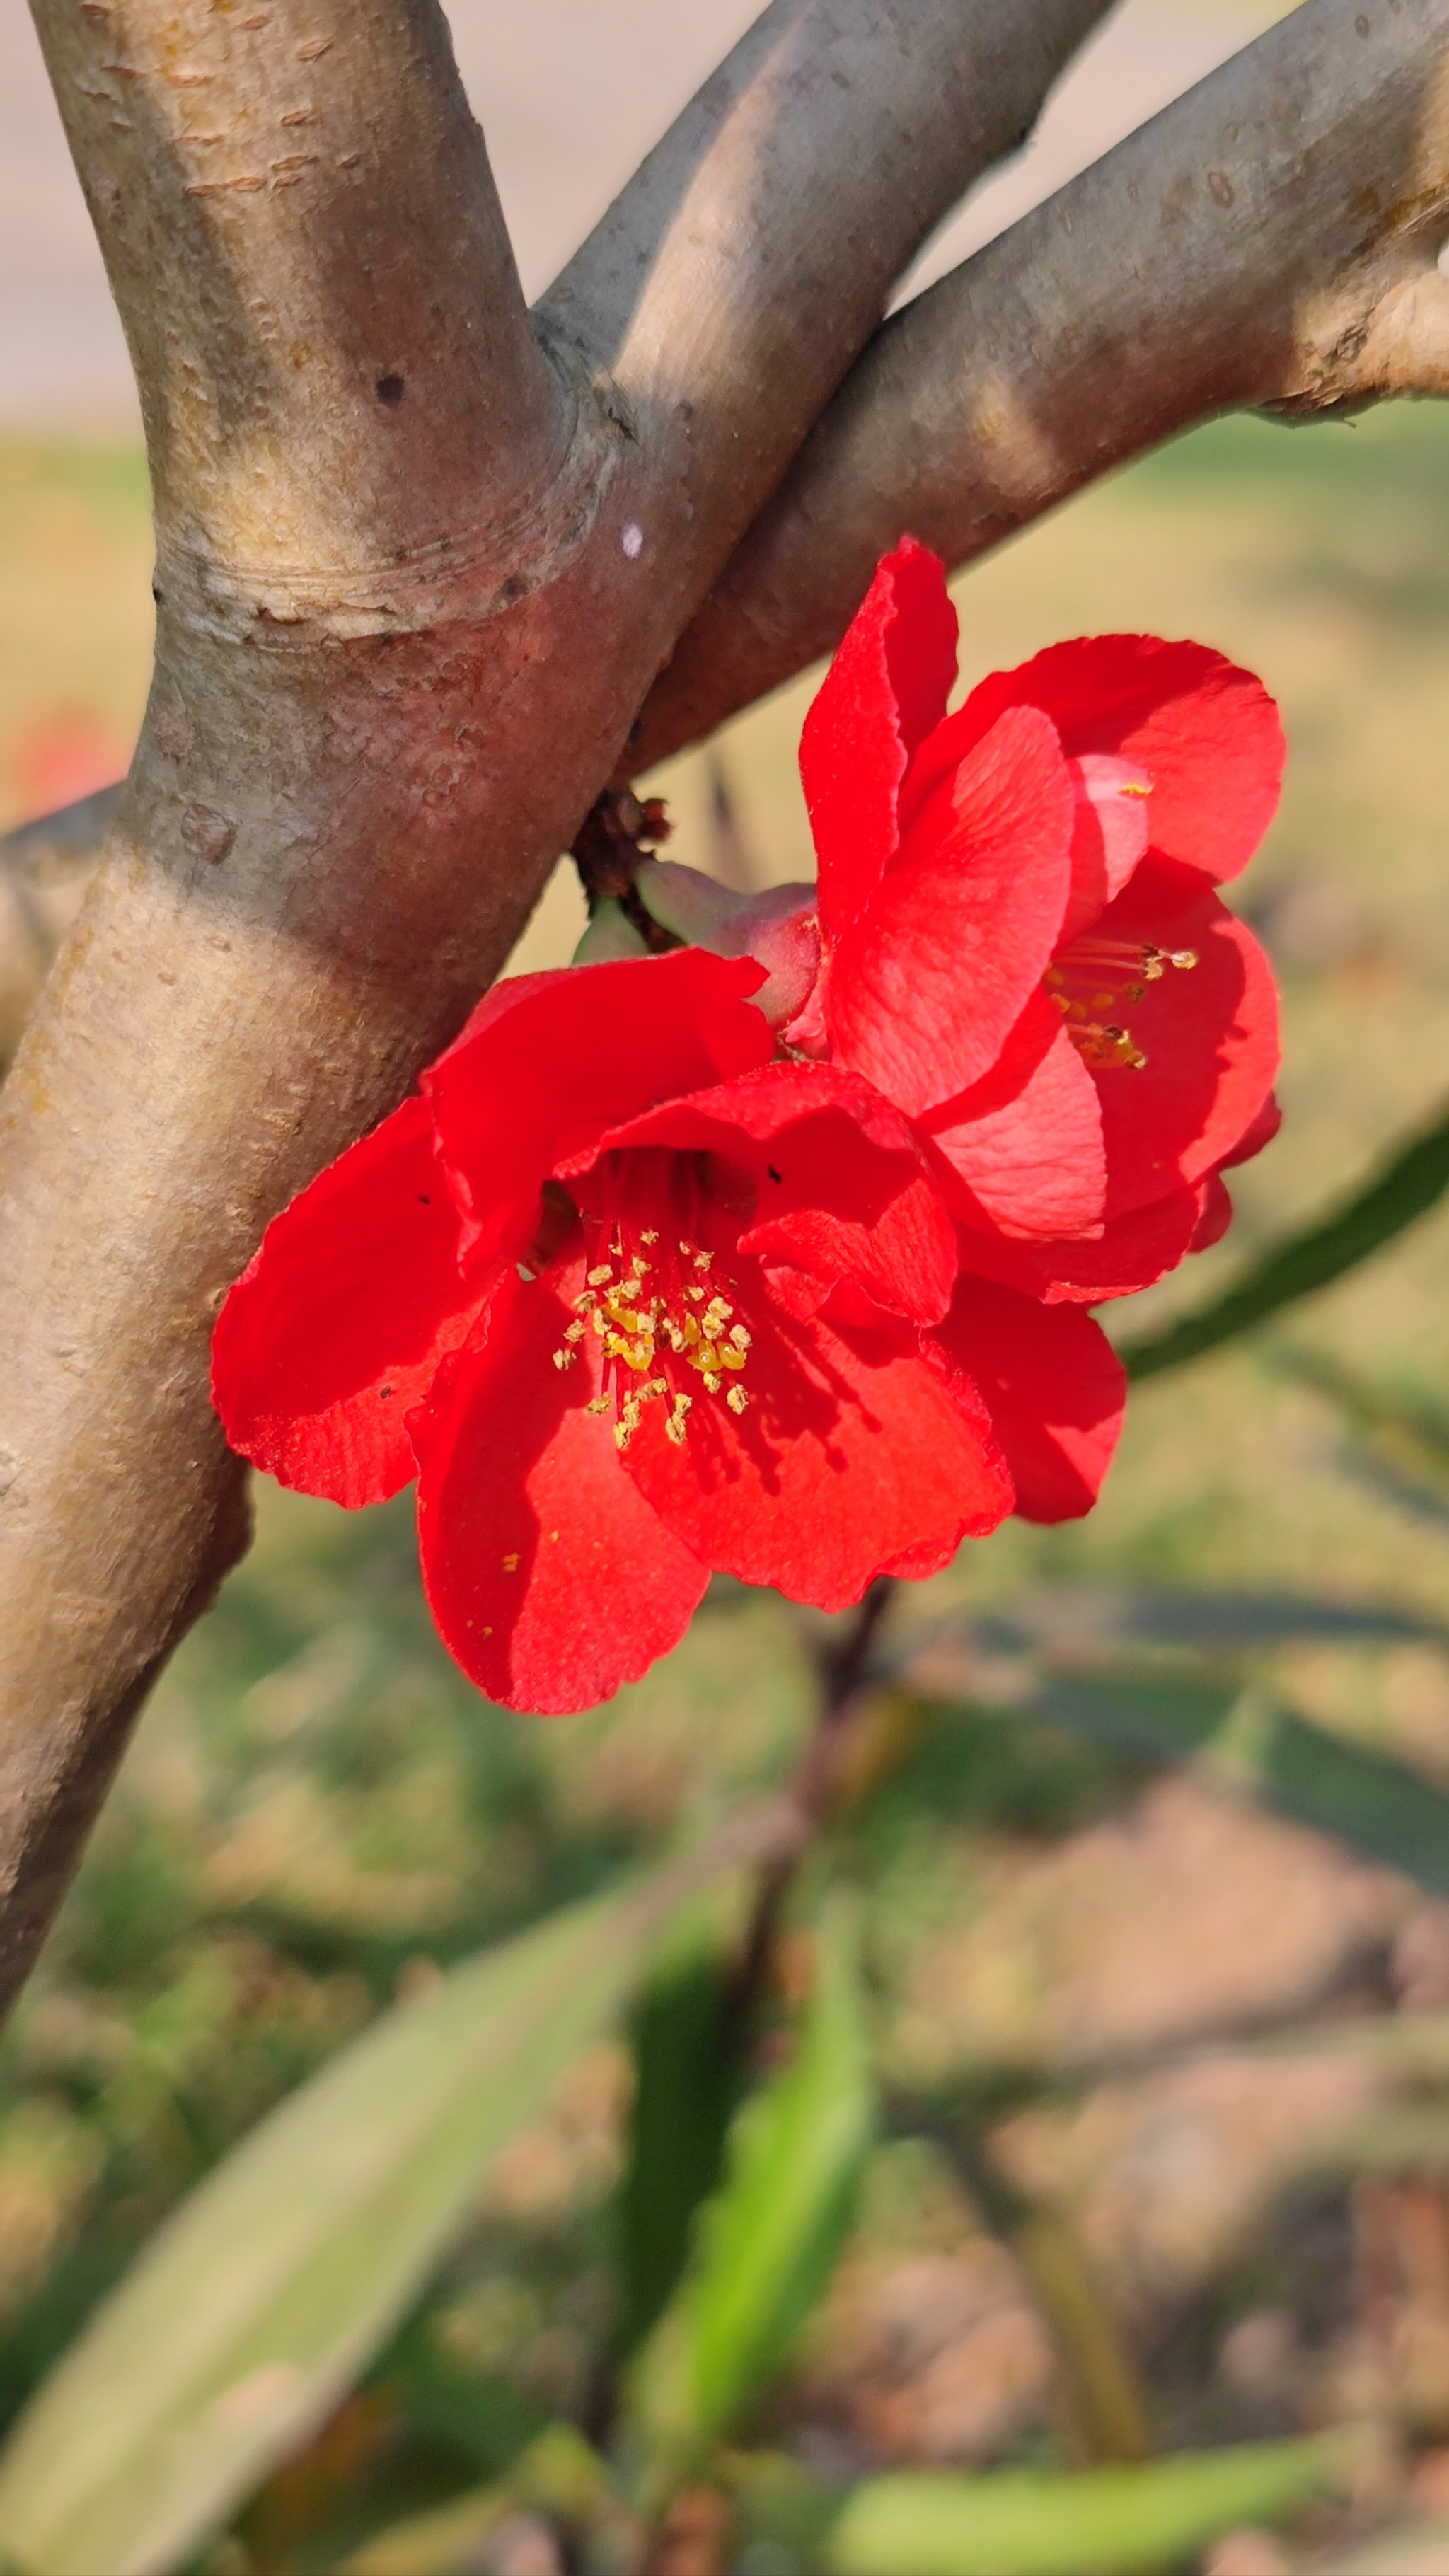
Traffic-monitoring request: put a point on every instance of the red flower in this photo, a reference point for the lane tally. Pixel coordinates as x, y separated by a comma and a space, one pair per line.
1020, 944
637, 1302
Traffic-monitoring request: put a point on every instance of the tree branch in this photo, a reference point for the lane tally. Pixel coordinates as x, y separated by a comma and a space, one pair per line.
415, 572
45, 868
1269, 239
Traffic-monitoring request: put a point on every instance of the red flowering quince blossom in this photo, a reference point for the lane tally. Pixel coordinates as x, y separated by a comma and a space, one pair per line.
635, 1299
1016, 937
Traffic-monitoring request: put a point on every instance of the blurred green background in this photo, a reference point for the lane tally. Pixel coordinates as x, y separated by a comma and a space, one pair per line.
317, 1812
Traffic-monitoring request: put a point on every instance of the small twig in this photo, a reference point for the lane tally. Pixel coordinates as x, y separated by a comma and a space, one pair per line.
616, 834
845, 1666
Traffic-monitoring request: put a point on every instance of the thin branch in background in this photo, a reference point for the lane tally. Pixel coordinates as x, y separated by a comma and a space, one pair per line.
844, 1666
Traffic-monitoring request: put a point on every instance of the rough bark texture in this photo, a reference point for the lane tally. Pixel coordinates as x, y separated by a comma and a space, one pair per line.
1270, 239
417, 563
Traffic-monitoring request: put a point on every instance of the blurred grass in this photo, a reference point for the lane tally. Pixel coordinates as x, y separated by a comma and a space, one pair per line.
317, 1808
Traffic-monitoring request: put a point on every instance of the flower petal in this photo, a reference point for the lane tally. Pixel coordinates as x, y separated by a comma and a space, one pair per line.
1026, 1141
1110, 835
923, 992
1055, 1390
344, 1317
841, 1188
535, 1076
886, 687
1130, 1253
1205, 733
1209, 1034
854, 1456
551, 1580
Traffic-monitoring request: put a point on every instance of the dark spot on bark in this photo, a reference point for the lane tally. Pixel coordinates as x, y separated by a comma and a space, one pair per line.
157, 593
384, 1390
206, 834
390, 390
513, 589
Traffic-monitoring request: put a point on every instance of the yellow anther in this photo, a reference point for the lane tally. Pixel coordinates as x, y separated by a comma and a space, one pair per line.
697, 1294
575, 1332
703, 1260
712, 1382
740, 1337
564, 1359
677, 1430
510, 1563
649, 1234
597, 1277
585, 1303
737, 1400
600, 1404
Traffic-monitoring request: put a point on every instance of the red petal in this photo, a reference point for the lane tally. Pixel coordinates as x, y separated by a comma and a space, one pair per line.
854, 1457
1210, 1036
344, 1317
924, 991
1027, 1141
1110, 835
1206, 734
885, 689
1131, 1253
551, 1580
1215, 1213
1055, 1390
1262, 1132
536, 1077
841, 1187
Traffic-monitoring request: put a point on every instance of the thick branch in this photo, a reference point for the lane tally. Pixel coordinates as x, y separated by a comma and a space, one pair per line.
1269, 239
414, 579
45, 868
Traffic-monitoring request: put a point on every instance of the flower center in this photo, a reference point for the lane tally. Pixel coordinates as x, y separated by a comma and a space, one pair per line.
1094, 977
669, 1332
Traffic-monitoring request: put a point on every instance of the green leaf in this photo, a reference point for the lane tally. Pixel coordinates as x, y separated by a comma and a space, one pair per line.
768, 2242
1105, 2522
258, 2304
1376, 1805
1409, 1182
685, 2089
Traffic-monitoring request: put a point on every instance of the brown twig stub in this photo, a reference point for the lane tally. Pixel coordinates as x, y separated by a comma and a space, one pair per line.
617, 834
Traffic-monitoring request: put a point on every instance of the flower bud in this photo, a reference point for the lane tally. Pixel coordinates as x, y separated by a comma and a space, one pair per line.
777, 927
